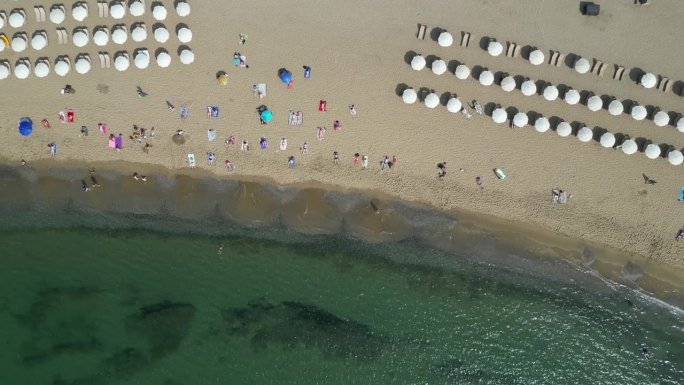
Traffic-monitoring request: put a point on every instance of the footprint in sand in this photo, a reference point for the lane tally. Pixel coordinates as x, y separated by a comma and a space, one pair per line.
103, 88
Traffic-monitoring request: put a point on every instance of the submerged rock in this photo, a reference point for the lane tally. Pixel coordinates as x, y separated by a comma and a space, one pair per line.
164, 325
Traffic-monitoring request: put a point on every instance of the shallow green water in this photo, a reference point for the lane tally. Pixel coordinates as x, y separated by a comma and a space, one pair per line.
85, 306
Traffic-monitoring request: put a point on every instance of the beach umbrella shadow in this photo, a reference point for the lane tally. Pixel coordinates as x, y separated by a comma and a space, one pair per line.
635, 74
451, 66
444, 99
678, 87
434, 34
570, 60
423, 92
489, 108
401, 87
178, 139
409, 56
484, 42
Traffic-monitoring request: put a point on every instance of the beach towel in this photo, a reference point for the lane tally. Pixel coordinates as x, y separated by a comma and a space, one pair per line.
236, 59
62, 117
322, 106
499, 173
261, 89
71, 116
681, 194
364, 161
283, 144
191, 161
212, 112
307, 72
243, 61
46, 123
184, 111
111, 143
118, 142
263, 142
103, 128
211, 135
295, 118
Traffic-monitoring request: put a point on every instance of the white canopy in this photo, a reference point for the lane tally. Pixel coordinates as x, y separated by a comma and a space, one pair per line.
595, 103
454, 105
117, 11
161, 35
572, 97
495, 48
17, 19
159, 12
163, 59
19, 43
38, 41
639, 112
439, 67
652, 151
4, 70
82, 65
585, 134
183, 9
2, 22
649, 80
119, 35
607, 140
21, 71
101, 37
80, 38
616, 108
680, 124
629, 146
418, 63
462, 72
499, 115
432, 100
486, 78
508, 83
121, 63
550, 93
564, 129
542, 124
582, 66
528, 88
661, 119
42, 69
57, 15
185, 35
536, 57
139, 33
136, 8
79, 12
409, 96
675, 157
520, 119
62, 67
142, 59
445, 39
187, 56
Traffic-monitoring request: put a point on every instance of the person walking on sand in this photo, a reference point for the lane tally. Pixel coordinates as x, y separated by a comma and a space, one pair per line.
321, 133
53, 149
364, 162
305, 148
245, 145
337, 125
291, 163
441, 170
336, 157
229, 165
352, 111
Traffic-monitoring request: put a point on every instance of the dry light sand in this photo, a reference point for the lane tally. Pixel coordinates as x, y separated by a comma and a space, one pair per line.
358, 51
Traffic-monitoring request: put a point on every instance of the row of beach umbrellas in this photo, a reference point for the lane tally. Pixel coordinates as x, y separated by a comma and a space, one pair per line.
410, 96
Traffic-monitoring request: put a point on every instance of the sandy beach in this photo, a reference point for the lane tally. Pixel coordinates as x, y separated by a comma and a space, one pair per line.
358, 52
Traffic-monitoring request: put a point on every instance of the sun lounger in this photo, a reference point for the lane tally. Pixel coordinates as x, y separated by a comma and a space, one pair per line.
422, 28
560, 60
663, 83
466, 114
511, 48
559, 196
62, 36
211, 135
619, 72
295, 118
191, 161
516, 51
3, 16
602, 70
103, 9
596, 67
465, 39
40, 13
554, 58
104, 60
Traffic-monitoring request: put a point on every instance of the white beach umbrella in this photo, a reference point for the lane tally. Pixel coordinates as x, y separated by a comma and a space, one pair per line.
445, 39
616, 108
508, 83
79, 12
185, 35
486, 78
183, 9
136, 8
582, 66
80, 38
675, 157
117, 11
520, 119
499, 115
585, 134
572, 97
536, 57
4, 70
454, 105
187, 56
121, 63
432, 100
409, 96
82, 65
680, 124
19, 43
38, 41
2, 23
652, 151
57, 15
629, 147
528, 88
595, 103
21, 71
101, 37
649, 80
119, 35
607, 140
139, 33
161, 35
661, 119
439, 67
163, 59
542, 124
564, 129
42, 69
142, 60
159, 12
462, 72
639, 112
551, 93
62, 67
495, 48
418, 63
17, 19
2, 45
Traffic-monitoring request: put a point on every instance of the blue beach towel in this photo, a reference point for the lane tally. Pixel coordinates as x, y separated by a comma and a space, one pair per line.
681, 194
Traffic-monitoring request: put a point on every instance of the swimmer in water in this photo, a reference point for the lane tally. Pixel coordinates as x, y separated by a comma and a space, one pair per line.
220, 249
645, 352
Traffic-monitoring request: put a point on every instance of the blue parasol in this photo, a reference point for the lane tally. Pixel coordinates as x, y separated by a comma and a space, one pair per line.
285, 76
25, 126
266, 116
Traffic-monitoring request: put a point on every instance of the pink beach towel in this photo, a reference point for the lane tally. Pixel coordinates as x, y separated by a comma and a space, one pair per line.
103, 128
112, 143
